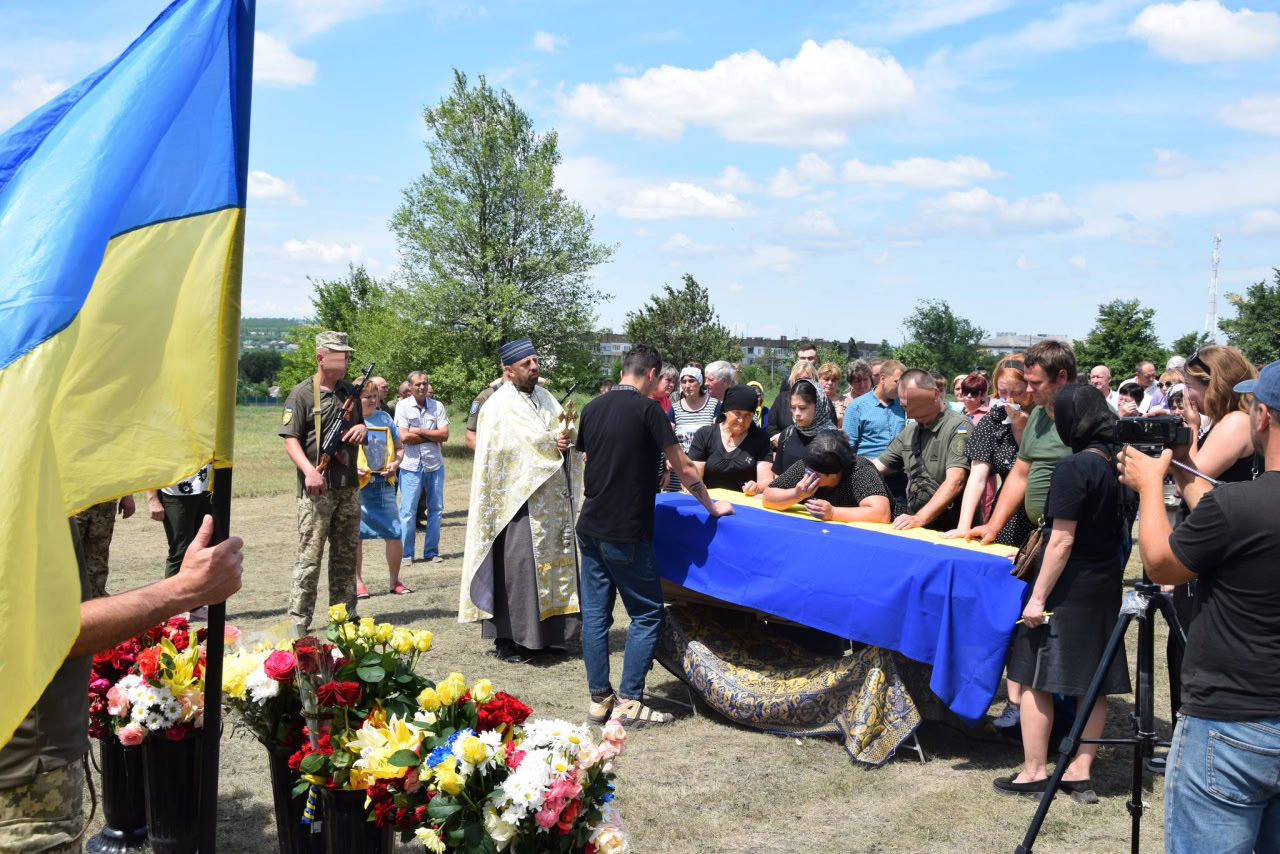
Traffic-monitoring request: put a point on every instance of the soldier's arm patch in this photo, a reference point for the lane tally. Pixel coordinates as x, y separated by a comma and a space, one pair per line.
288, 414
475, 406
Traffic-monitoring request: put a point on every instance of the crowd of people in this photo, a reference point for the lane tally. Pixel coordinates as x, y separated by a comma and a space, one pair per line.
561, 524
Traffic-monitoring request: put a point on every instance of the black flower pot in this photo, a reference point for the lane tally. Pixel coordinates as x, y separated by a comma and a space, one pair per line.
346, 824
171, 770
295, 837
124, 811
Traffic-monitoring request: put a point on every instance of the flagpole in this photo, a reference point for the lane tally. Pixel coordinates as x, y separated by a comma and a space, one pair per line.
212, 747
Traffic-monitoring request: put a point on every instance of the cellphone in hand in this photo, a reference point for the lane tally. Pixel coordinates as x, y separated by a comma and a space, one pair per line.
808, 473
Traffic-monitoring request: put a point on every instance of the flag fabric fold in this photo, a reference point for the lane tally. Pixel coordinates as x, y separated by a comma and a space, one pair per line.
121, 233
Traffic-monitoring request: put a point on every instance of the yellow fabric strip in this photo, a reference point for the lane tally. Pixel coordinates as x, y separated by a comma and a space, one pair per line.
125, 398
922, 534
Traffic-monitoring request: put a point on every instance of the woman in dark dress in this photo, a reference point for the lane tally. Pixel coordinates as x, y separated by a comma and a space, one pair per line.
992, 449
734, 453
835, 484
811, 413
1079, 582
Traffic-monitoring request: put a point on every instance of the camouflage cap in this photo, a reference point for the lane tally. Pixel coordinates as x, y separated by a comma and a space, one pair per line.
334, 341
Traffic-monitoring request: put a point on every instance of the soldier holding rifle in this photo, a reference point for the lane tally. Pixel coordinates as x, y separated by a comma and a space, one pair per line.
325, 407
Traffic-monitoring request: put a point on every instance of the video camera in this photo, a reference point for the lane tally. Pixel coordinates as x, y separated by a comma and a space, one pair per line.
1152, 435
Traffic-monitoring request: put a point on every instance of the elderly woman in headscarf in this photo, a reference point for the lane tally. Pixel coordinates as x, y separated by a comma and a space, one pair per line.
734, 453
833, 483
693, 410
1078, 583
811, 413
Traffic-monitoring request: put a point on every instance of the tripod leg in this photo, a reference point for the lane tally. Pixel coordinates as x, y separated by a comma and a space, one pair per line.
1071, 743
1144, 716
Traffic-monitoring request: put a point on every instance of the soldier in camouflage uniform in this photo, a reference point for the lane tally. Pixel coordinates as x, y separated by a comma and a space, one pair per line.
45, 815
96, 526
329, 503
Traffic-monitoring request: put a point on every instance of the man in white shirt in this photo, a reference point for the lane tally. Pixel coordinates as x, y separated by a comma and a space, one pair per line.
1152, 394
423, 425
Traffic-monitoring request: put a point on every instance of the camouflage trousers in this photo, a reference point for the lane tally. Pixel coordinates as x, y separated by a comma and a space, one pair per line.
45, 815
96, 525
334, 518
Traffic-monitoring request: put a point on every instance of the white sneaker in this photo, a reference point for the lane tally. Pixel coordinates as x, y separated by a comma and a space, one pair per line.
1008, 718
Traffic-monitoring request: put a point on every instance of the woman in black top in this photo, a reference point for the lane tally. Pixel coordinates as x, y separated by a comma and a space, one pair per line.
1079, 581
811, 413
734, 453
835, 484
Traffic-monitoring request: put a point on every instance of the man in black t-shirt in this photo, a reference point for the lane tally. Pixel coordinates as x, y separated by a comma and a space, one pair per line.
622, 432
1222, 790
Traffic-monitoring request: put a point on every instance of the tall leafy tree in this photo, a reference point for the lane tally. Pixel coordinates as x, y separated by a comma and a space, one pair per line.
1123, 335
491, 249
342, 305
1255, 329
260, 366
683, 325
1185, 345
939, 340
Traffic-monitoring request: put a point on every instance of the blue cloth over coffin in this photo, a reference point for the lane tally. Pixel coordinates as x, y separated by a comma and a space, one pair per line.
949, 607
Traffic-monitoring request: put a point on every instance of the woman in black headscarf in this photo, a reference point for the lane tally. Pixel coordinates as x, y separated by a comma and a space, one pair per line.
1079, 584
811, 413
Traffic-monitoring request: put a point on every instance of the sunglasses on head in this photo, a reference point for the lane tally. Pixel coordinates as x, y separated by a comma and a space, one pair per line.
1197, 362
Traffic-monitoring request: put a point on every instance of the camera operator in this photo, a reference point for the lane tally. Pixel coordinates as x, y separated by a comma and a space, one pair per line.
1222, 792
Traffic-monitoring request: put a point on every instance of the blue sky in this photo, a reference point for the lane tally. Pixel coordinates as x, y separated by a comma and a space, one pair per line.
818, 166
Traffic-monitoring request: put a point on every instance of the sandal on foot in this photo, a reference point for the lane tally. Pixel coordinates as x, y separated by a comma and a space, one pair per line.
1007, 786
633, 714
362, 592
400, 590
598, 711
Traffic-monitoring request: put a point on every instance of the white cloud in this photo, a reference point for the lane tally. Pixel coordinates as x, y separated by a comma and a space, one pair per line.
814, 223
269, 188
1232, 184
328, 253
773, 257
879, 260
734, 287
307, 18
812, 99
1172, 164
25, 95
1023, 263
1145, 235
1260, 114
811, 167
1069, 27
809, 170
923, 172
548, 42
682, 244
785, 184
679, 199
1206, 31
978, 211
1260, 222
922, 16
1079, 265
734, 180
274, 64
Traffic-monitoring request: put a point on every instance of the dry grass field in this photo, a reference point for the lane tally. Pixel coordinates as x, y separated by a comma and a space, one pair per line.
701, 785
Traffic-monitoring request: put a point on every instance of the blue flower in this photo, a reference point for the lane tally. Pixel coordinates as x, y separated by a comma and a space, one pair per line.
439, 755
607, 797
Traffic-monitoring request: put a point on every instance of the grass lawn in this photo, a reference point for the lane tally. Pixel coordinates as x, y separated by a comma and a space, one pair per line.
700, 785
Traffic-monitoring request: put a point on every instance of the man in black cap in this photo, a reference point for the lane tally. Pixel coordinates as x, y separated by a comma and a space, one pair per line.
519, 565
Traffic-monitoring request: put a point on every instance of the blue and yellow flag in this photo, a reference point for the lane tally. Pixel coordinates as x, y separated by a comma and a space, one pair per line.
121, 241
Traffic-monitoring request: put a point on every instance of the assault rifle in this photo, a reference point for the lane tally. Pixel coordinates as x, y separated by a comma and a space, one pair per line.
331, 446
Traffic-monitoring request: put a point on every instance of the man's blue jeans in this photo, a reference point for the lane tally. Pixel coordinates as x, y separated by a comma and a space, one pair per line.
412, 485
1222, 787
630, 570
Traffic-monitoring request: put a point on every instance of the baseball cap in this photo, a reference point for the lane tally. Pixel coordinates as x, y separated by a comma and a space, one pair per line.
334, 341
1266, 388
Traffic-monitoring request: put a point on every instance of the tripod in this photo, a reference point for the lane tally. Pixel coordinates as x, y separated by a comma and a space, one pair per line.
1143, 602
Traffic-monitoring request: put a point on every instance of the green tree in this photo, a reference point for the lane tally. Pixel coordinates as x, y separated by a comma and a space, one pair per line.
491, 249
886, 350
938, 340
260, 366
343, 305
1185, 345
1123, 335
1255, 329
683, 325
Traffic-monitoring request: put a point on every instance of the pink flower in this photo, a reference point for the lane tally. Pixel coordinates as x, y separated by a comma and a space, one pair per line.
230, 634
547, 817
117, 702
412, 783
132, 735
614, 733
192, 705
562, 790
99, 686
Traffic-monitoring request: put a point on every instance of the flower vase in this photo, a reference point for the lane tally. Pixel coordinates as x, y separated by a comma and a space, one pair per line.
294, 836
346, 825
124, 811
171, 770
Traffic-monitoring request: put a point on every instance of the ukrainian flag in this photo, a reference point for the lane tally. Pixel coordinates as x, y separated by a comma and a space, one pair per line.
121, 241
